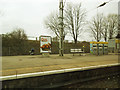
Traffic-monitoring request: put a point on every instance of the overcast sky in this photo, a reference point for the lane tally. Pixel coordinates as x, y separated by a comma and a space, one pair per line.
30, 14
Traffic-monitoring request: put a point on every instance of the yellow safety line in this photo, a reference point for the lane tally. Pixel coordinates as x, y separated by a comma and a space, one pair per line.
24, 68
18, 69
30, 68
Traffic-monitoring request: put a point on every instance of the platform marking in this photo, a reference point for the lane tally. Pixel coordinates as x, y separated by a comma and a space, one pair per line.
53, 72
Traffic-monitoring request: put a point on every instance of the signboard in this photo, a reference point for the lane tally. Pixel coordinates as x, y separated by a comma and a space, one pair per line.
91, 48
45, 44
111, 43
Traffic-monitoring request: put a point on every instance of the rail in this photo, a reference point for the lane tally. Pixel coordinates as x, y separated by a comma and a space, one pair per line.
59, 78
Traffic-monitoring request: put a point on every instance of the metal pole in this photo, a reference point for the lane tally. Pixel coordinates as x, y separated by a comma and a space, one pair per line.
61, 28
119, 30
119, 27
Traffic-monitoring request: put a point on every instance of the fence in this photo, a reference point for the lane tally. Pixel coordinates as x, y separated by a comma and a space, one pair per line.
24, 50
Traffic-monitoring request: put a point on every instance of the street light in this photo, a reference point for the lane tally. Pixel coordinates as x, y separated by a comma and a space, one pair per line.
102, 4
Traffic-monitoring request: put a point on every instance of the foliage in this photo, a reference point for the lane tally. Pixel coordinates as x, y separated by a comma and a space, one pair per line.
16, 40
36, 46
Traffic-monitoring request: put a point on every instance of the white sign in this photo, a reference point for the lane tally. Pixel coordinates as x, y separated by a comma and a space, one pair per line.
45, 44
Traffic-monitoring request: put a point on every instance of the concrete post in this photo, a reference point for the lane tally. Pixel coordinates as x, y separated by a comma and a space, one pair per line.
61, 28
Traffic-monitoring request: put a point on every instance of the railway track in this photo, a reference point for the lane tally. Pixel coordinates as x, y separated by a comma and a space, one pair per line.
105, 82
75, 77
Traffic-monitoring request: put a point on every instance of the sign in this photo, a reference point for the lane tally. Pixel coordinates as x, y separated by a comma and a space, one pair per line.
111, 43
45, 44
91, 48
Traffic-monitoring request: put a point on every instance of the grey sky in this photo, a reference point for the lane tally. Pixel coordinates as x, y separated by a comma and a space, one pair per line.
30, 14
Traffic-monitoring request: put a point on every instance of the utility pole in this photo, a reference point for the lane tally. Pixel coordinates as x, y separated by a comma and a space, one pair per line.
61, 27
118, 35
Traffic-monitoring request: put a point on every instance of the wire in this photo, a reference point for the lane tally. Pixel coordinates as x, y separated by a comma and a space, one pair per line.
99, 6
110, 0
104, 3
95, 7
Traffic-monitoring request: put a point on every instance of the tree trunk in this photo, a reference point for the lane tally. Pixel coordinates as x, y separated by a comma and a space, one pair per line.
75, 40
105, 39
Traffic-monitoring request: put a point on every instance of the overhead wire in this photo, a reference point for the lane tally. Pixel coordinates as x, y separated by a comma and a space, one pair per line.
99, 6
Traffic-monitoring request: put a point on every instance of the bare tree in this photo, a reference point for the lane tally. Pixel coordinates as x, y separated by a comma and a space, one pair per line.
105, 27
18, 33
74, 20
96, 27
113, 25
118, 24
16, 41
110, 26
52, 23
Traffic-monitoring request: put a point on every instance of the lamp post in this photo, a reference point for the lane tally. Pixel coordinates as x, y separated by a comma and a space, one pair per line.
118, 36
61, 27
101, 5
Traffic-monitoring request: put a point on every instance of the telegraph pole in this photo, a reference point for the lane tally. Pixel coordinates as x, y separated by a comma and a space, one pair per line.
118, 35
61, 27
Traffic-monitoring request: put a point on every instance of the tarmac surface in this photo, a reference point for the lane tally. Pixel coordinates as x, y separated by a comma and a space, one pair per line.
12, 65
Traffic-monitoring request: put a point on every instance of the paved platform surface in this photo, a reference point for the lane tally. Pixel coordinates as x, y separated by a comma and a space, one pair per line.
12, 65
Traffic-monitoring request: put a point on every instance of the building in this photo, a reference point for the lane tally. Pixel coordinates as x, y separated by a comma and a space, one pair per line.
113, 45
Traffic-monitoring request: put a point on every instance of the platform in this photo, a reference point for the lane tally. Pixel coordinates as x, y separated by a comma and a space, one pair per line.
12, 65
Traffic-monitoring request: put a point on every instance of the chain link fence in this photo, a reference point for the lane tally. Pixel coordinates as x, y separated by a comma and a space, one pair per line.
24, 50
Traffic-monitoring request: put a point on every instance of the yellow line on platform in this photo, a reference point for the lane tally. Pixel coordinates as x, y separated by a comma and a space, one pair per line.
29, 68
19, 69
